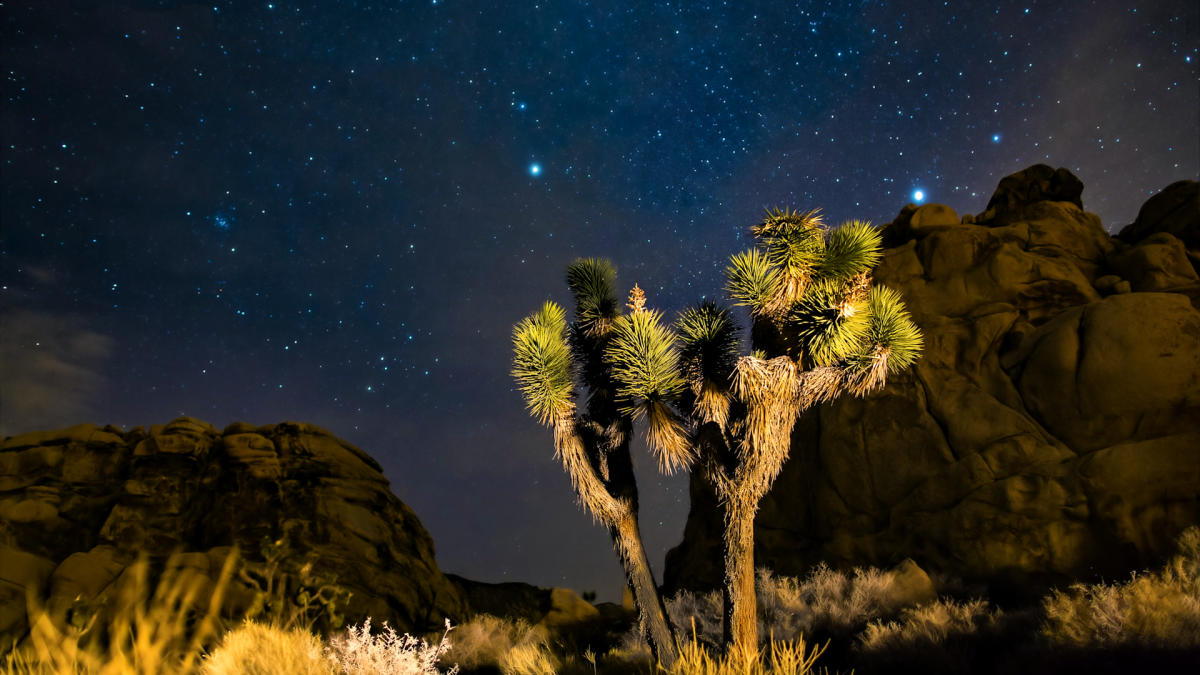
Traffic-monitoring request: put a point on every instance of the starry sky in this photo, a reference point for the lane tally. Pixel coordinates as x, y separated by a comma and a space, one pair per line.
335, 213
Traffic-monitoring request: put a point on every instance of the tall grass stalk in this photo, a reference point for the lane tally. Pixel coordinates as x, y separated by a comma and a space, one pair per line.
147, 633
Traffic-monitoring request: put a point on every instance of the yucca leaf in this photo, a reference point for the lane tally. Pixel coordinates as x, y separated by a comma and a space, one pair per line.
642, 358
708, 342
542, 363
793, 242
591, 281
829, 325
751, 279
645, 366
781, 222
892, 343
708, 352
892, 328
666, 435
852, 249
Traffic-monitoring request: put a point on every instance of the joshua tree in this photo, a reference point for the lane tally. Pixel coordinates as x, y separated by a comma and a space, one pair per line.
821, 330
627, 365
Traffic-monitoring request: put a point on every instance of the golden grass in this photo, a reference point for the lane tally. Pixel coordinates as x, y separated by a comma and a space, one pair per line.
262, 649
146, 633
1153, 609
484, 640
930, 624
174, 628
777, 658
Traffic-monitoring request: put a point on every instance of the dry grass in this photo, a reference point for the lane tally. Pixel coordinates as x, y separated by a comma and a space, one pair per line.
827, 601
529, 659
1155, 609
262, 649
929, 624
143, 632
484, 641
777, 658
174, 628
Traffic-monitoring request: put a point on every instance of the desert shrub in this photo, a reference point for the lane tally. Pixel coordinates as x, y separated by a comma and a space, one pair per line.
1156, 609
827, 601
261, 649
290, 592
484, 640
703, 611
358, 652
929, 624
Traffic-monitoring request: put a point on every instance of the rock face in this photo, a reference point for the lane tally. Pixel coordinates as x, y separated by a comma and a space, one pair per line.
1051, 429
1175, 210
78, 505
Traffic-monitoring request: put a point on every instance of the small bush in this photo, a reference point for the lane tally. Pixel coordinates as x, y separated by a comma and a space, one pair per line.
262, 649
484, 640
929, 624
357, 652
703, 611
1158, 609
827, 601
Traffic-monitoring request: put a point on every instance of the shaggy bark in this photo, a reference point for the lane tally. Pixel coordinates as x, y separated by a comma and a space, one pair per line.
609, 492
652, 614
741, 621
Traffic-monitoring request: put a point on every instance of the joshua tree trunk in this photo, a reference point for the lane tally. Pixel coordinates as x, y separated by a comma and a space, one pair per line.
652, 613
741, 620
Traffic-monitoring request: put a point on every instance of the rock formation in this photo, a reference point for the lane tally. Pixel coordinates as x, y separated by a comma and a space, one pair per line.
78, 505
1051, 430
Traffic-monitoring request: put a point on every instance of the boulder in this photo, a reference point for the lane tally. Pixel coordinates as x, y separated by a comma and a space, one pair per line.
1157, 263
79, 505
1174, 210
910, 585
1038, 183
1048, 433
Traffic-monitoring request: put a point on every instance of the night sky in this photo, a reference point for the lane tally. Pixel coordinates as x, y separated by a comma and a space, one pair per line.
335, 213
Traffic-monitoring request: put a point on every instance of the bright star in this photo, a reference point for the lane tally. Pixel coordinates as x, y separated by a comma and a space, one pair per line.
918, 196
995, 138
535, 169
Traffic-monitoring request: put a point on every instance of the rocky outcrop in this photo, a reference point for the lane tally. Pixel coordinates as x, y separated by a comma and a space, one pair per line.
78, 505
1175, 211
1051, 429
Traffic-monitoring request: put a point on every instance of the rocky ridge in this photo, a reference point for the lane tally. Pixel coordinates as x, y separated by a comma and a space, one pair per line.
1051, 429
78, 505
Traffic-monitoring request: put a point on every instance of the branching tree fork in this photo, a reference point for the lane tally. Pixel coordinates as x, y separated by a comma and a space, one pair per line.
820, 330
593, 444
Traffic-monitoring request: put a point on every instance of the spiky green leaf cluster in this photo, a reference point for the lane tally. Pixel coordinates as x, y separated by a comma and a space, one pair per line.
641, 354
891, 331
829, 329
852, 249
752, 279
794, 241
542, 363
591, 281
708, 342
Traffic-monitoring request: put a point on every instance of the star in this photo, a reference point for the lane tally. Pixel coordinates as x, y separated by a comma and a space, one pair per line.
918, 196
535, 169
